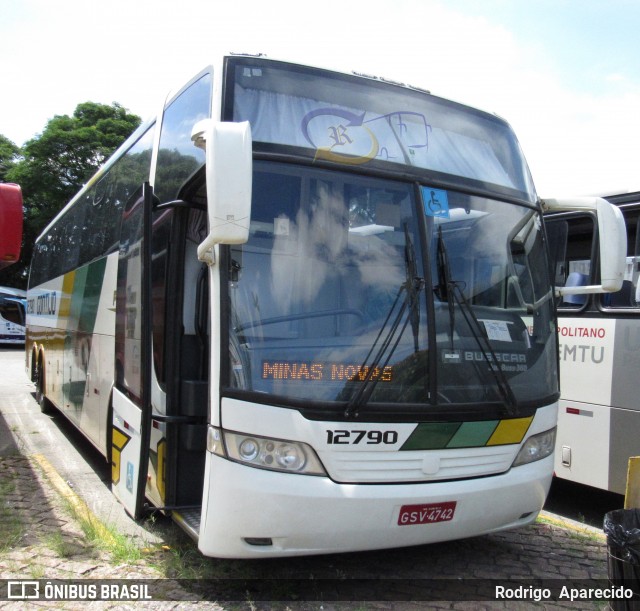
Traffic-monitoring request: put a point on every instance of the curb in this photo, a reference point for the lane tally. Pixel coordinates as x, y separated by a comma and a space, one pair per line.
568, 524
80, 509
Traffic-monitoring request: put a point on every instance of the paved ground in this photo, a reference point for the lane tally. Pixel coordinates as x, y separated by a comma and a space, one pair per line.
47, 542
40, 540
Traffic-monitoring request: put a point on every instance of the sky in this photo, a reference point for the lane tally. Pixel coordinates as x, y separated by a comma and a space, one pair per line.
564, 73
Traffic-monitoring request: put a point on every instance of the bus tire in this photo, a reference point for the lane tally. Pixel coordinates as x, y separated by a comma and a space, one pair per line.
45, 404
34, 371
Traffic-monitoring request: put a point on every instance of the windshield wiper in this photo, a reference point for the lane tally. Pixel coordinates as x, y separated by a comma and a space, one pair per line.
445, 284
449, 290
411, 288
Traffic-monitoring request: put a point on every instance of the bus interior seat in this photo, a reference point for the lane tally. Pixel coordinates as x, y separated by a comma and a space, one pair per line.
576, 279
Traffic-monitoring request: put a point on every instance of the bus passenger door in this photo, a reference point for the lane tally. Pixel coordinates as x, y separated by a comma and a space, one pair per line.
131, 407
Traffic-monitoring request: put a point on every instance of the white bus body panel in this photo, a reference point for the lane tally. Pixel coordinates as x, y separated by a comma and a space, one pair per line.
126, 448
314, 515
586, 365
582, 447
599, 413
305, 514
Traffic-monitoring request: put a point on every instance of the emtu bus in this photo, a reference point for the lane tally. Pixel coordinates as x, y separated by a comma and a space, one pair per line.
599, 412
330, 330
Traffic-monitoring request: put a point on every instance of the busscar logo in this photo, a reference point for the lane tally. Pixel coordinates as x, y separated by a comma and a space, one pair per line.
23, 590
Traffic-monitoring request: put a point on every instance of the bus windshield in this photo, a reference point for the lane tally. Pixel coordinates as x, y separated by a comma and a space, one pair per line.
360, 290
357, 121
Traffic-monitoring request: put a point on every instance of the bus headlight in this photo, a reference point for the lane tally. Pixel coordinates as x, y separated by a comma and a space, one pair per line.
536, 447
265, 453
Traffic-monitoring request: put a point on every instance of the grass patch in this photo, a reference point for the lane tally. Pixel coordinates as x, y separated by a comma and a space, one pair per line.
100, 536
60, 545
11, 524
185, 562
104, 537
36, 571
574, 532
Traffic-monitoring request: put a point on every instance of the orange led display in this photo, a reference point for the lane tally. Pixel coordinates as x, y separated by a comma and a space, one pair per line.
320, 371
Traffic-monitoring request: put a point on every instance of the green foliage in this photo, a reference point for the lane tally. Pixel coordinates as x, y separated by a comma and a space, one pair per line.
9, 153
55, 165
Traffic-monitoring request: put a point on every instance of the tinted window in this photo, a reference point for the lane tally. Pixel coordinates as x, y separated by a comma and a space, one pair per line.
178, 158
91, 227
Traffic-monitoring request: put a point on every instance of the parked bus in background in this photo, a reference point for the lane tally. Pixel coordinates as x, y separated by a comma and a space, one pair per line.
12, 315
12, 301
599, 335
10, 223
328, 326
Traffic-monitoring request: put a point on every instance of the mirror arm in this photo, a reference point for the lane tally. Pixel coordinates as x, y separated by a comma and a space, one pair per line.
178, 203
206, 251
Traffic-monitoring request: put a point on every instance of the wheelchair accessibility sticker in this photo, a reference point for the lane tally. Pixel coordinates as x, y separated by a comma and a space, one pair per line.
436, 202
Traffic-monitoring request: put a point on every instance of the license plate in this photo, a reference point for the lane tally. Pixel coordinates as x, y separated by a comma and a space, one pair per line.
426, 514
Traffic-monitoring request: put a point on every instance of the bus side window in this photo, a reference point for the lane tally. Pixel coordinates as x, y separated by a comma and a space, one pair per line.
572, 249
557, 237
624, 298
178, 159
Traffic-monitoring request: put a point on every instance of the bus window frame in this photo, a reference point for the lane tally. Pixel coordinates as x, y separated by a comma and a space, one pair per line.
593, 276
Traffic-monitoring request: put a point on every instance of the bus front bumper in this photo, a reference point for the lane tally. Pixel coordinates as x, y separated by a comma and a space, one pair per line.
252, 513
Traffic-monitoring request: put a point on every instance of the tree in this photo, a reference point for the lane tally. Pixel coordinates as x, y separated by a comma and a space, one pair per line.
55, 165
9, 154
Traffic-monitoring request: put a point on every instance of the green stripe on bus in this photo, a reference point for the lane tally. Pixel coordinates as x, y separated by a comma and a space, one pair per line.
473, 434
75, 311
431, 436
80, 298
91, 295
447, 435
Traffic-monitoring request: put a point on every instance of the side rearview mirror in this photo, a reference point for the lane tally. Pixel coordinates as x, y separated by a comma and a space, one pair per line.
10, 223
229, 170
612, 236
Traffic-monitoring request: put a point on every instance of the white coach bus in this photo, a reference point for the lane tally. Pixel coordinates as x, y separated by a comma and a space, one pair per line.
599, 335
307, 312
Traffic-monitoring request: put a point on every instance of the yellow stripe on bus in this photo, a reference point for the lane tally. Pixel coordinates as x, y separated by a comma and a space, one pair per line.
118, 442
65, 298
510, 431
